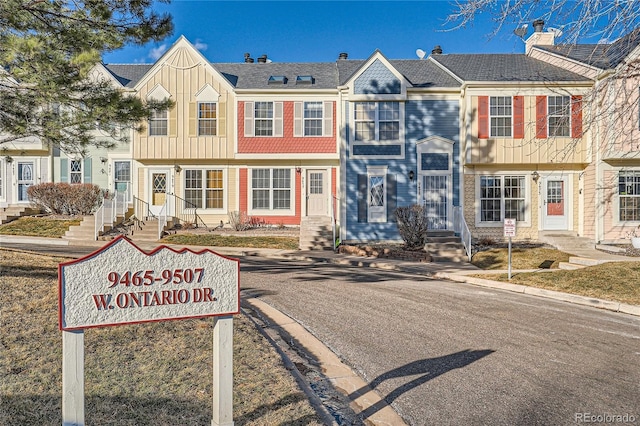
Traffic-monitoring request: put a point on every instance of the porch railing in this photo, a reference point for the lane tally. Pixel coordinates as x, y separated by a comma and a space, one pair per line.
461, 228
108, 212
334, 200
187, 213
162, 219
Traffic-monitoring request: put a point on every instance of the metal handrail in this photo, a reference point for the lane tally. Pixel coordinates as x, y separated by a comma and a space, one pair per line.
98, 225
334, 199
186, 211
162, 219
461, 228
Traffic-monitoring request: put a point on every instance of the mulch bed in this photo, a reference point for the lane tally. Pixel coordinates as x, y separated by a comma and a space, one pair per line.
385, 251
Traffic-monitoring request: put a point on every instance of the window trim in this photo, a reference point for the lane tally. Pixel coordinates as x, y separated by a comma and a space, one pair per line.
401, 132
568, 115
291, 211
305, 119
261, 119
378, 214
205, 120
619, 198
526, 223
155, 119
491, 116
203, 188
80, 171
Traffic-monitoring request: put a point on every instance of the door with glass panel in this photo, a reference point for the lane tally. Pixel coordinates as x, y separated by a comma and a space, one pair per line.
25, 178
554, 203
436, 200
158, 190
317, 192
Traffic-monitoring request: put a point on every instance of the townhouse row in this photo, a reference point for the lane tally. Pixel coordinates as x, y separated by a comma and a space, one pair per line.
475, 138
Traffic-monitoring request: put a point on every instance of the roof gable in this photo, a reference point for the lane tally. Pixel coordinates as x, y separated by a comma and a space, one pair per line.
377, 78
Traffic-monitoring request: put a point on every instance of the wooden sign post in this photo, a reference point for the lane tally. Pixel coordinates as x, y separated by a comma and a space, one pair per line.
121, 284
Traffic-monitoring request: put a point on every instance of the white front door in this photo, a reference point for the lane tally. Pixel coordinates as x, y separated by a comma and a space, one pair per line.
317, 193
25, 178
159, 182
555, 203
436, 199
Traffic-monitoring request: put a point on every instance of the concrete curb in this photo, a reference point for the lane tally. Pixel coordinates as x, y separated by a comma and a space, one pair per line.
549, 294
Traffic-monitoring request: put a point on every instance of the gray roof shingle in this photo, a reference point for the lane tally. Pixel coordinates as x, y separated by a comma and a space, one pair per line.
420, 73
128, 74
603, 56
504, 68
256, 75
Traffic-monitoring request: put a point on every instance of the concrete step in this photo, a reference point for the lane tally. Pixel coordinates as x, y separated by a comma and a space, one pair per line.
584, 261
570, 266
316, 233
450, 258
442, 239
440, 233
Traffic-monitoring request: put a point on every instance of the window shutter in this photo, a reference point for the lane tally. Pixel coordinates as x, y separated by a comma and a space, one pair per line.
327, 119
541, 117
362, 198
249, 129
576, 116
483, 117
518, 117
222, 119
391, 198
297, 119
173, 121
277, 119
86, 170
64, 170
193, 119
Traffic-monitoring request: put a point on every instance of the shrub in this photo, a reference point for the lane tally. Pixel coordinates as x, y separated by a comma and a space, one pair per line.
239, 221
63, 198
412, 225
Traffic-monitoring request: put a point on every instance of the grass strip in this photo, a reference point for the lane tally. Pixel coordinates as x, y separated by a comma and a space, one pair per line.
39, 227
283, 243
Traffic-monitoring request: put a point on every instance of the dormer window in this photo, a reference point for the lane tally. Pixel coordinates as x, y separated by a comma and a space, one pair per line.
304, 79
277, 79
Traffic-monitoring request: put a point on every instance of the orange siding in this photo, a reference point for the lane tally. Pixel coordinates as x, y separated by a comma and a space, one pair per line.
287, 144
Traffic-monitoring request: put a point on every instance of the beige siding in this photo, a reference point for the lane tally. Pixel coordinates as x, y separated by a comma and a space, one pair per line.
564, 63
528, 150
589, 193
183, 75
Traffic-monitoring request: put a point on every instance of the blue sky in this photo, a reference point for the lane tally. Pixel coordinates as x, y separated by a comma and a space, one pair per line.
317, 31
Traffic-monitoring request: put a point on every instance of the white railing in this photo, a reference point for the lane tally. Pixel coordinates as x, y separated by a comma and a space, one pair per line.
461, 228
334, 200
162, 219
109, 211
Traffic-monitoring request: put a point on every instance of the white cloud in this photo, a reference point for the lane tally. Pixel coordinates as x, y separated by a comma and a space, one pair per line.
157, 52
201, 46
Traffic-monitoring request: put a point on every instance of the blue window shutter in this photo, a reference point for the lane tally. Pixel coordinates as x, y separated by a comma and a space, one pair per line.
391, 198
363, 198
86, 170
64, 170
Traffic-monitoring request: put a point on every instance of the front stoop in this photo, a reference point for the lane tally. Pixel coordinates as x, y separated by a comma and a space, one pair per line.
445, 246
85, 231
11, 213
146, 231
316, 233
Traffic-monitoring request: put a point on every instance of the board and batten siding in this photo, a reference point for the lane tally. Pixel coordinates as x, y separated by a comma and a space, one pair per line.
526, 150
183, 76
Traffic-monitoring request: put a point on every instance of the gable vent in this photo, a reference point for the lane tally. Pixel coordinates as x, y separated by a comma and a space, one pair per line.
304, 79
277, 79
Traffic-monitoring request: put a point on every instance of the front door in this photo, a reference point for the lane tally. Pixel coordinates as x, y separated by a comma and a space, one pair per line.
159, 187
555, 204
26, 178
317, 193
436, 200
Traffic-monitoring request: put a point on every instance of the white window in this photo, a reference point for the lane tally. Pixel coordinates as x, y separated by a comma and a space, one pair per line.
75, 171
159, 123
502, 197
207, 118
500, 114
312, 118
204, 189
263, 118
559, 115
377, 121
271, 189
377, 194
629, 196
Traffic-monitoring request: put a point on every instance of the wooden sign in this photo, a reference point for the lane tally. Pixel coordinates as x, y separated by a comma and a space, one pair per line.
121, 284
